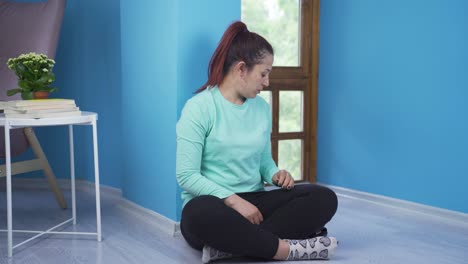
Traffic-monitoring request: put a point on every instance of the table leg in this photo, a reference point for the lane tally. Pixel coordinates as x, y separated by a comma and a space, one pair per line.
8, 189
96, 181
72, 172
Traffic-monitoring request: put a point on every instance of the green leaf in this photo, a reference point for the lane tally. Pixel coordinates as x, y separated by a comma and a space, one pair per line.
20, 69
25, 85
27, 95
13, 91
47, 79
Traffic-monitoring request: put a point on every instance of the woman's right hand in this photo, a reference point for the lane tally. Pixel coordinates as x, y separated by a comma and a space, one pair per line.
245, 208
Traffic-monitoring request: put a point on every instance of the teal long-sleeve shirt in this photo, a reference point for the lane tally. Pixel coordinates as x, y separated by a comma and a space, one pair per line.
223, 148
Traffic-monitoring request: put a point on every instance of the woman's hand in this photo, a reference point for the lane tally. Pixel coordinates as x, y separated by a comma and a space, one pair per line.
245, 208
283, 179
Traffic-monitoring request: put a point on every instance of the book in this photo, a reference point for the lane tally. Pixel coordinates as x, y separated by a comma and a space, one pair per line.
43, 115
36, 102
34, 110
38, 107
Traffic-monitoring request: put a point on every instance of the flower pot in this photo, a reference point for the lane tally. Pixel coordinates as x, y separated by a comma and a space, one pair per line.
27, 95
41, 95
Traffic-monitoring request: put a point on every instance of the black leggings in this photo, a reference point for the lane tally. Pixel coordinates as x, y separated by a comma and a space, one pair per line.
295, 214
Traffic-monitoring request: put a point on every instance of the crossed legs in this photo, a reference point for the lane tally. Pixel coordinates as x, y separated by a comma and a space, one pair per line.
288, 214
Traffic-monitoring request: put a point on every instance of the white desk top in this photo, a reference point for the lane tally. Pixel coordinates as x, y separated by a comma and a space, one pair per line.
83, 119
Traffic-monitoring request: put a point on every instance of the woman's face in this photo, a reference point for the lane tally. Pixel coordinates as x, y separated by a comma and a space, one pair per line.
257, 78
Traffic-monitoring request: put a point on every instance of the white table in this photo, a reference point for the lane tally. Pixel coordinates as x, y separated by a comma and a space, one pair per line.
86, 118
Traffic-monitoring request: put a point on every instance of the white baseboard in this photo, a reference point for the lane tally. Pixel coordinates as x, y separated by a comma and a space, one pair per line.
445, 214
161, 222
148, 216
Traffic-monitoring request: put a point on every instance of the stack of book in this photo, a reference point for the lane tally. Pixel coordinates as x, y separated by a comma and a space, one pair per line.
40, 108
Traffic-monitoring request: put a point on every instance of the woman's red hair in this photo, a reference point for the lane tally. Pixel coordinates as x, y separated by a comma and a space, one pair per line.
237, 44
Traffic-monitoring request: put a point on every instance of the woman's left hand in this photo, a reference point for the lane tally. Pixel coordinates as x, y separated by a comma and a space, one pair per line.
283, 179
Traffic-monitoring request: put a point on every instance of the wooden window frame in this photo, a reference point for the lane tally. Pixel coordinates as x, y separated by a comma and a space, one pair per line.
303, 78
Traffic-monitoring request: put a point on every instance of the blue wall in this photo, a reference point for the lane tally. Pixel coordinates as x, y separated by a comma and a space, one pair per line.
166, 46
392, 99
149, 92
88, 70
135, 64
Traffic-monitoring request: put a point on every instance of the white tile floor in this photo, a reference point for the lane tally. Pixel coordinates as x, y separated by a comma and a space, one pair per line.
368, 233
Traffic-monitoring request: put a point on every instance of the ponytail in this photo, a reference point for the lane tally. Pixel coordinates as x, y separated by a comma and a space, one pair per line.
237, 44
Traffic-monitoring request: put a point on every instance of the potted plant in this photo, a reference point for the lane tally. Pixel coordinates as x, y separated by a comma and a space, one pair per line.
34, 72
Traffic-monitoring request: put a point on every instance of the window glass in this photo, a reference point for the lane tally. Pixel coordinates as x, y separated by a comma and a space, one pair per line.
291, 111
289, 157
266, 95
279, 22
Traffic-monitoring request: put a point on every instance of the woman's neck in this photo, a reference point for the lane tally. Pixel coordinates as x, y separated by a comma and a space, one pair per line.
229, 91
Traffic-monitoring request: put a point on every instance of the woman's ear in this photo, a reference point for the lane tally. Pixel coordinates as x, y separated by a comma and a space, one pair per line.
240, 68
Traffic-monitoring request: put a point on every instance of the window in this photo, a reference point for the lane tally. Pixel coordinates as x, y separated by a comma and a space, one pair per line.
291, 26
